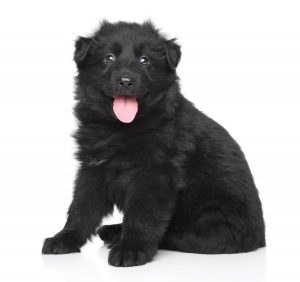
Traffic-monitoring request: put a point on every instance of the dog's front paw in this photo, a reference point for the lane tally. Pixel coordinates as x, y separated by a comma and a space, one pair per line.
59, 245
131, 254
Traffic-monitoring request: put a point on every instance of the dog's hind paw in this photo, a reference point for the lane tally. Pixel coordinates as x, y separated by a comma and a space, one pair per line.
110, 234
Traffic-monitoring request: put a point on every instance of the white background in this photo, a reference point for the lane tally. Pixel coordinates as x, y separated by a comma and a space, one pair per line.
240, 65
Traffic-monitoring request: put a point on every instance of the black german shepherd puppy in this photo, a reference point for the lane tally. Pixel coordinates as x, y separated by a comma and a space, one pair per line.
180, 179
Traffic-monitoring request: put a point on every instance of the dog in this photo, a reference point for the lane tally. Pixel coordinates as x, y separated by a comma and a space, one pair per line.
181, 181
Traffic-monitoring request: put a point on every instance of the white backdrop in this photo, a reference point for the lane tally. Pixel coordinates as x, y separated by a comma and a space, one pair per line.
240, 65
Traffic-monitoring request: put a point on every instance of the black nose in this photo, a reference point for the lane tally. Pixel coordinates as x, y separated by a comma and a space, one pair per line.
125, 82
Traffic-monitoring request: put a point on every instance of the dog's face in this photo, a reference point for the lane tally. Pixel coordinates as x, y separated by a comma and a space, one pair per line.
125, 68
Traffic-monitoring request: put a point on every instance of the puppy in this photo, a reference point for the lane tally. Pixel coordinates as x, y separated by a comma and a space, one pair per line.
180, 179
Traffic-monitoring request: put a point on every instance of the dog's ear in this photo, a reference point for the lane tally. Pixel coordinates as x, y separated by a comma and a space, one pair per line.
173, 53
82, 46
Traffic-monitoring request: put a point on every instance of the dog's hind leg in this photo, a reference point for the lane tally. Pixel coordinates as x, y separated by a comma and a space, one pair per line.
215, 236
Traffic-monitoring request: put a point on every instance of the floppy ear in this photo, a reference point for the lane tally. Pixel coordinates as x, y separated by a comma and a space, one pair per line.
173, 53
82, 46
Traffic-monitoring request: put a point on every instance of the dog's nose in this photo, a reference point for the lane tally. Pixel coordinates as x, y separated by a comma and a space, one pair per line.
125, 82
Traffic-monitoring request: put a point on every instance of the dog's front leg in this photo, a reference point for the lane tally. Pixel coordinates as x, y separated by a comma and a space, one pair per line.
148, 209
86, 211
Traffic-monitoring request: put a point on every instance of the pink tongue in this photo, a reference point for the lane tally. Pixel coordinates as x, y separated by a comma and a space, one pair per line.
125, 108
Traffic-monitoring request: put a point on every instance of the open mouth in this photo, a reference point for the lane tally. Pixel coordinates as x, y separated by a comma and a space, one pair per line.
125, 108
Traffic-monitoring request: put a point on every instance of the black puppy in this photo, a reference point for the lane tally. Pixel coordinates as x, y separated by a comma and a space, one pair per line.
180, 179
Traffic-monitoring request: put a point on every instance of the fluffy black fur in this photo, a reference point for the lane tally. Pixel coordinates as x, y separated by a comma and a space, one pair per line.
180, 179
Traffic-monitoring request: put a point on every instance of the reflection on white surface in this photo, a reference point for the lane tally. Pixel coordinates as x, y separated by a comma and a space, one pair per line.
73, 267
167, 266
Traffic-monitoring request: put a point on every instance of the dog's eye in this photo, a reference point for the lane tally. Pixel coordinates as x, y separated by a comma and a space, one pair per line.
144, 60
110, 58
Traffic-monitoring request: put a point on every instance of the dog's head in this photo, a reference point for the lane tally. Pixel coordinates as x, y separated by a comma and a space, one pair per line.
125, 69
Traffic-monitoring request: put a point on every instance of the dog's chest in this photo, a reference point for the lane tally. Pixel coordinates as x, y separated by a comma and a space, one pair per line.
126, 151
123, 159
